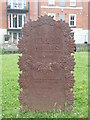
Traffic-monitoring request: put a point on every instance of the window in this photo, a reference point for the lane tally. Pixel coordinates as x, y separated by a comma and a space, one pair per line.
51, 2
72, 20
19, 3
9, 3
14, 20
15, 4
24, 3
24, 19
10, 20
52, 15
62, 17
20, 35
72, 34
72, 3
20, 20
62, 3
10, 33
6, 38
15, 36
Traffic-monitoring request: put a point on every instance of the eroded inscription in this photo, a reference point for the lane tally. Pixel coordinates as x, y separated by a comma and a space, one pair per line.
46, 64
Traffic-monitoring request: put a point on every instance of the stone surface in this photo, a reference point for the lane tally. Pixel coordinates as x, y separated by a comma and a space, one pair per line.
46, 64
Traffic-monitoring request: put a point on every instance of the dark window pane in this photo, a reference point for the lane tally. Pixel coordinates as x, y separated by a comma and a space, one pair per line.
14, 35
24, 19
20, 35
20, 20
6, 38
73, 17
10, 33
10, 20
13, 20
72, 34
70, 22
73, 22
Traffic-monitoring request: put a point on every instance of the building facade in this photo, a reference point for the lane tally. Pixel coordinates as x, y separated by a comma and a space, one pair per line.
73, 12
15, 13
13, 17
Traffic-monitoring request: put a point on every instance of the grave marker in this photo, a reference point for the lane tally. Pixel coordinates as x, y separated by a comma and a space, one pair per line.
46, 64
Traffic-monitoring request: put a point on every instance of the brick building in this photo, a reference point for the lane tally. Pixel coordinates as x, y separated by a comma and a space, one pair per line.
15, 13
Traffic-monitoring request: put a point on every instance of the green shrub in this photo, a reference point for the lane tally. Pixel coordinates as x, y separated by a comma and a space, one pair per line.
3, 51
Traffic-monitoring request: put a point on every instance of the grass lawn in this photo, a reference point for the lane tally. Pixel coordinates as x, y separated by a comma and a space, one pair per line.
10, 90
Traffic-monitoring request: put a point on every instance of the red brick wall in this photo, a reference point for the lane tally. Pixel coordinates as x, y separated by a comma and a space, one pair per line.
3, 16
33, 10
0, 15
89, 16
85, 15
81, 18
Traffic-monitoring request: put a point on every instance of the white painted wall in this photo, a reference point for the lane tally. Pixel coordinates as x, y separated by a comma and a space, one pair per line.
89, 36
2, 33
80, 35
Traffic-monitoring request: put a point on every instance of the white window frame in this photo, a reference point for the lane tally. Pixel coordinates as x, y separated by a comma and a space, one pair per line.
52, 14
10, 2
17, 37
74, 20
51, 2
17, 21
72, 3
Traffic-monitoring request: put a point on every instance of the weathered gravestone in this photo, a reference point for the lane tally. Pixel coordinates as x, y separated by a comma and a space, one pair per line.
46, 64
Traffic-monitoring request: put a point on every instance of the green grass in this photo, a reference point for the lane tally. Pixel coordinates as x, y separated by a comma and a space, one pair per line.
10, 90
